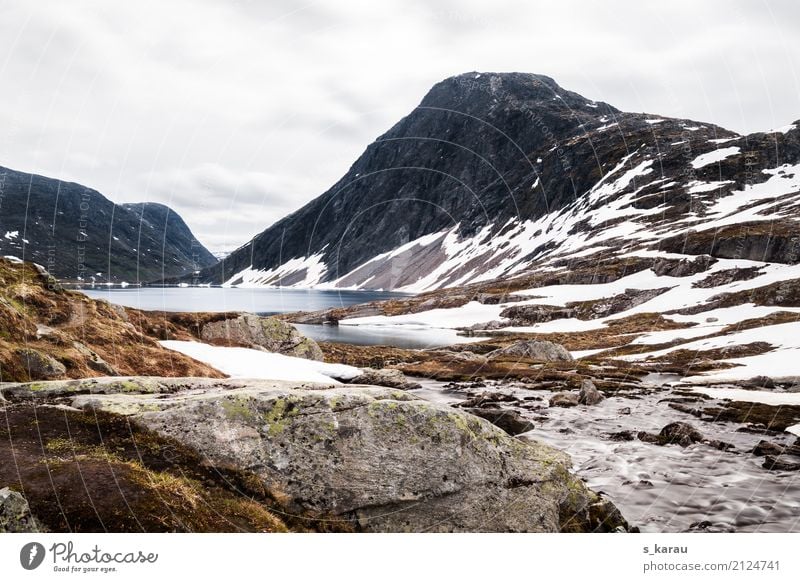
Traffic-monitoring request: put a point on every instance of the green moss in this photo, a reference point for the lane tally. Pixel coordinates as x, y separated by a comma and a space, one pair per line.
130, 386
59, 445
238, 408
276, 418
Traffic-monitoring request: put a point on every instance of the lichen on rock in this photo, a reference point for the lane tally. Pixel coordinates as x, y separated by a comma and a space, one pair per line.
374, 458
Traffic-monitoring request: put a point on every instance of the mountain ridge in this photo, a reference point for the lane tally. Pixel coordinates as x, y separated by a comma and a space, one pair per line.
80, 235
460, 190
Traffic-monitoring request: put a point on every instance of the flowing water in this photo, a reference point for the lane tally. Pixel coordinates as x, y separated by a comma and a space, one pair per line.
663, 488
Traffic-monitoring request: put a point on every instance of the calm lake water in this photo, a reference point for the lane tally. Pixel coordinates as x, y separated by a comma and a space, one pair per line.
261, 301
271, 301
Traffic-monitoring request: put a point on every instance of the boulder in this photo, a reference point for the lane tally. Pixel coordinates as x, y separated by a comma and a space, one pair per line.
678, 433
589, 394
40, 366
780, 464
94, 361
379, 458
564, 399
267, 333
15, 515
486, 398
510, 421
764, 448
541, 350
384, 377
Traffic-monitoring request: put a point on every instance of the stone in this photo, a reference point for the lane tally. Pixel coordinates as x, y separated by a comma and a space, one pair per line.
267, 333
510, 421
589, 394
384, 377
487, 398
40, 366
94, 361
682, 433
679, 433
764, 448
378, 457
779, 464
540, 350
15, 515
564, 399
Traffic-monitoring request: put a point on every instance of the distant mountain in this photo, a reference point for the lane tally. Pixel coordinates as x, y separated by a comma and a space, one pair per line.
78, 234
497, 174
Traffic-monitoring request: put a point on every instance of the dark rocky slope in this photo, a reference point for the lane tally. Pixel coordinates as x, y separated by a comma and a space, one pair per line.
77, 233
512, 167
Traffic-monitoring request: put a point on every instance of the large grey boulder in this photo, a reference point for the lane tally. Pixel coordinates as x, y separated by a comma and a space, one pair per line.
40, 366
15, 515
94, 361
541, 350
267, 333
377, 457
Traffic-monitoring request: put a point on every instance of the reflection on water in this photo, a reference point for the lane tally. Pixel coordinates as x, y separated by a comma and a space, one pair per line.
374, 335
268, 301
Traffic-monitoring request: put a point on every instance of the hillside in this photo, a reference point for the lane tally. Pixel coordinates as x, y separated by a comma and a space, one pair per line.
80, 235
497, 175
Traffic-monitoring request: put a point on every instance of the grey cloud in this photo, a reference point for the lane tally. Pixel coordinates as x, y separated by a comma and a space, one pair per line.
238, 113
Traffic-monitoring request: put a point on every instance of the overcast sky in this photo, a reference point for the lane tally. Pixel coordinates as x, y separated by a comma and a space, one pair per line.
236, 113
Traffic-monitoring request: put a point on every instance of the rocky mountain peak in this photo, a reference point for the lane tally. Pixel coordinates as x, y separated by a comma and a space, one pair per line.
479, 91
494, 174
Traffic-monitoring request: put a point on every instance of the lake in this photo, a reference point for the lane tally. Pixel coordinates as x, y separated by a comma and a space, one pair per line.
263, 301
268, 301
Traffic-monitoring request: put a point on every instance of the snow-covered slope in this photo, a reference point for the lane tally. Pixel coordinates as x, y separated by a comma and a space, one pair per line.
496, 175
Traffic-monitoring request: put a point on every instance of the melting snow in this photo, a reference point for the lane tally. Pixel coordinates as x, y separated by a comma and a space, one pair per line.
718, 155
785, 129
313, 267
762, 397
247, 363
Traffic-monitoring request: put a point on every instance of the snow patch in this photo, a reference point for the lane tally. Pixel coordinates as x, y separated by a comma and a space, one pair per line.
248, 363
718, 155
784, 130
312, 267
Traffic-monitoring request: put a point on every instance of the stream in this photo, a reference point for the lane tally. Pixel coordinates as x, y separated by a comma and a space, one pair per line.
660, 488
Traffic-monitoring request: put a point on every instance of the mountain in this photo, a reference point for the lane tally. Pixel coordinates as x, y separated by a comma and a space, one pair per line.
79, 234
494, 175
